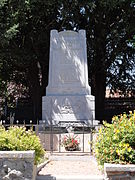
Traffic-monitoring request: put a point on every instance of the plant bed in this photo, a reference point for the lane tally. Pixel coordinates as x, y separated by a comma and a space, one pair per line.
20, 152
115, 144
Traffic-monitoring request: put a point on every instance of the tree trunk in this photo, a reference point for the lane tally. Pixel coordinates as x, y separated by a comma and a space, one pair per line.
98, 84
99, 72
100, 87
35, 90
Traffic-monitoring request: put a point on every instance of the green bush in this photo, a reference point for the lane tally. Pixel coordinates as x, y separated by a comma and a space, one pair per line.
115, 142
18, 139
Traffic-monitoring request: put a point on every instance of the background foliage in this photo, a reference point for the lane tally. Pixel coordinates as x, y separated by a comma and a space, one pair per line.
24, 44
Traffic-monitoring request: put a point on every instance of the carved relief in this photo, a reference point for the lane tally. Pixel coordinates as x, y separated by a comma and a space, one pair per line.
68, 106
66, 110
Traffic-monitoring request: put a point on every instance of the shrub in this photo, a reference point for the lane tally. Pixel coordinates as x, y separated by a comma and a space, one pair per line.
115, 142
18, 139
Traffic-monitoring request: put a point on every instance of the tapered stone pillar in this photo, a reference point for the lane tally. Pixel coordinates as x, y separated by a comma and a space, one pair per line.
68, 94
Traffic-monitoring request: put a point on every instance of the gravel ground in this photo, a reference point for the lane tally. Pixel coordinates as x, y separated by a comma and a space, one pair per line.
71, 166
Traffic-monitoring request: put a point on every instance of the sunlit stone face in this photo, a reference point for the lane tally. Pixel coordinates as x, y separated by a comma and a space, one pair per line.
68, 63
68, 95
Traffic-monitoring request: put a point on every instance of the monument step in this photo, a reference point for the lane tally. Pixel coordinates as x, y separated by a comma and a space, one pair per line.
68, 154
70, 177
73, 158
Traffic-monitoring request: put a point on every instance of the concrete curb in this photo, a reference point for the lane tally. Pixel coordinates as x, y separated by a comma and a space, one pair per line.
40, 166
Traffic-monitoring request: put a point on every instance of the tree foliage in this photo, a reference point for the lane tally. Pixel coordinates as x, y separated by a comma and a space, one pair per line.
110, 28
24, 42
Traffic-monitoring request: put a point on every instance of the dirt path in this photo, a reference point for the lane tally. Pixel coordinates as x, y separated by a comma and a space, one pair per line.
71, 166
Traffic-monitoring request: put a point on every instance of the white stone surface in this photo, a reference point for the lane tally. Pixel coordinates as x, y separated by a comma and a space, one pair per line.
68, 108
17, 154
68, 72
68, 95
119, 167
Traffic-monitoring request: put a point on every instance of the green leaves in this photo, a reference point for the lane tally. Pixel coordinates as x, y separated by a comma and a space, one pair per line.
116, 142
12, 31
3, 2
18, 139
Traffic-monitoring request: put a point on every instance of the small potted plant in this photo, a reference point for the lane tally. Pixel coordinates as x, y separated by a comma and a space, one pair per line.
70, 143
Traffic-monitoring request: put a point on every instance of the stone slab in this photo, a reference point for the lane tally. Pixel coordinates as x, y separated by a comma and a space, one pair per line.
68, 73
17, 165
17, 154
68, 108
119, 167
119, 171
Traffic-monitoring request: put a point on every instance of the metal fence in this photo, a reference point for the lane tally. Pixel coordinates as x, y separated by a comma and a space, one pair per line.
52, 136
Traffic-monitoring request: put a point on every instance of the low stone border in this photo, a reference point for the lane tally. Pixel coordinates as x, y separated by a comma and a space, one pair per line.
40, 166
118, 171
17, 165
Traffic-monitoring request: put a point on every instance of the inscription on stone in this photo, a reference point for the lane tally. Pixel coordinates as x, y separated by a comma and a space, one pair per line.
68, 94
68, 63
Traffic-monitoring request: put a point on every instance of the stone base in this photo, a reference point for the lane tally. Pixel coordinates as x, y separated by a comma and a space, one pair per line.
46, 140
68, 108
17, 165
119, 171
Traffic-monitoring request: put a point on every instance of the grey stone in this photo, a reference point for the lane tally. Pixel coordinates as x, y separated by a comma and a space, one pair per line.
119, 167
15, 174
119, 171
5, 168
17, 166
17, 154
2, 173
68, 94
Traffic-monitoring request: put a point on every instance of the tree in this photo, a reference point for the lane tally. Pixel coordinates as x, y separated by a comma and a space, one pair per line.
110, 27
112, 57
24, 42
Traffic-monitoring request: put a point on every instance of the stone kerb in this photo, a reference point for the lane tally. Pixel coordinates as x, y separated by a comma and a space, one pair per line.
119, 171
17, 165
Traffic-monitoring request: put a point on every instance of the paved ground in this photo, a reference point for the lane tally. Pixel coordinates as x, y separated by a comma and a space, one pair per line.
71, 165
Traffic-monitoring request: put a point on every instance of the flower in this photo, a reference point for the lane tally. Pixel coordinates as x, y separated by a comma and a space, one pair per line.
70, 142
